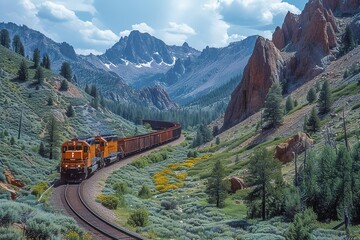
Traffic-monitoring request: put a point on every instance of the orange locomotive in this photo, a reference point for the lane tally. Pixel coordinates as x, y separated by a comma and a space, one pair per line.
83, 156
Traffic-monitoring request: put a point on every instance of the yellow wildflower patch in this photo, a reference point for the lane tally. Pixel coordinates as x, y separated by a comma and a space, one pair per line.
166, 179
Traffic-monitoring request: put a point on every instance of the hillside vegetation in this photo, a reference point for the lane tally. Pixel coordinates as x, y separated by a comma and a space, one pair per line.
26, 107
178, 206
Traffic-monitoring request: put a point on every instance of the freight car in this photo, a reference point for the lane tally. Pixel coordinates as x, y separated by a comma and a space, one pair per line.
81, 157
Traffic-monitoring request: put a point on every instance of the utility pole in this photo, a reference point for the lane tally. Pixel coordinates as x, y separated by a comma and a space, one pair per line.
20, 122
345, 132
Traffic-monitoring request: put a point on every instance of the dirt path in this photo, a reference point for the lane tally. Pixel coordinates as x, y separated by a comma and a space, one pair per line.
94, 185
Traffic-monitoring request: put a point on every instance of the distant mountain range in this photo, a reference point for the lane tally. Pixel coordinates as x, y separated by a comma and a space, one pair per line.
142, 69
143, 60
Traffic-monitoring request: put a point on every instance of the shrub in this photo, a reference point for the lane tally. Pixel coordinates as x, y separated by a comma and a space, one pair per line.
39, 188
108, 201
144, 192
192, 154
9, 233
72, 235
41, 226
140, 163
139, 218
12, 140
169, 204
120, 188
291, 202
302, 226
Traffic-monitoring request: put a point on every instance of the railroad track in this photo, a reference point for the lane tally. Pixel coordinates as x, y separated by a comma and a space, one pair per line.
102, 228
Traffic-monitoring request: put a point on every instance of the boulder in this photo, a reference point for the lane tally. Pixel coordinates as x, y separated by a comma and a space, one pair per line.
10, 179
236, 183
285, 151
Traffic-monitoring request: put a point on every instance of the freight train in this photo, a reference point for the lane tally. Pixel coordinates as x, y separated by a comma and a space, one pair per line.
81, 157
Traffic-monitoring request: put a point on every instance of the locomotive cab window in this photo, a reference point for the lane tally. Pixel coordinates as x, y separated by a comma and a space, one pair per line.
79, 147
71, 148
85, 149
64, 149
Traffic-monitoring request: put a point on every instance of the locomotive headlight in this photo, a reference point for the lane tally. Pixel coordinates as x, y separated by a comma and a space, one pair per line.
66, 165
78, 165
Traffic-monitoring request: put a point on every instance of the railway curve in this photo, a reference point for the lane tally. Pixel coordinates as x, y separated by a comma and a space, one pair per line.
102, 229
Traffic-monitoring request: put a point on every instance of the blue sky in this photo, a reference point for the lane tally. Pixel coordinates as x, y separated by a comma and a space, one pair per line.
95, 25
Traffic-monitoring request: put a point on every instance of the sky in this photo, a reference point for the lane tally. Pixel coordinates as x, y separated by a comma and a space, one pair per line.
92, 26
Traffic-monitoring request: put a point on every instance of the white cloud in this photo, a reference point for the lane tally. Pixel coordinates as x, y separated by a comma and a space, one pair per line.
183, 28
235, 37
141, 27
174, 33
87, 51
55, 12
255, 13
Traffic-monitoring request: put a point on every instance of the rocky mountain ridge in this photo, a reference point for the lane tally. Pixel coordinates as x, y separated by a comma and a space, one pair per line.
110, 84
299, 51
143, 61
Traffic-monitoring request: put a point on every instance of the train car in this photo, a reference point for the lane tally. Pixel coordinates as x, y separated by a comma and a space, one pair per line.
82, 157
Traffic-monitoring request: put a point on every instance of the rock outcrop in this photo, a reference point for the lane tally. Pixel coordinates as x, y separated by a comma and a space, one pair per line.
285, 151
158, 97
10, 179
312, 35
236, 183
265, 67
308, 43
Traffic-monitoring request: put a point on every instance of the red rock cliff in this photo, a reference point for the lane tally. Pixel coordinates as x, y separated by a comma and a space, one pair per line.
265, 66
311, 39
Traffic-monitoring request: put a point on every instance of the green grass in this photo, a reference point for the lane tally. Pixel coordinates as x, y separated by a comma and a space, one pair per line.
234, 209
346, 90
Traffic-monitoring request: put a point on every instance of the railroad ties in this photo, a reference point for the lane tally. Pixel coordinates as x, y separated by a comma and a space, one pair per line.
101, 228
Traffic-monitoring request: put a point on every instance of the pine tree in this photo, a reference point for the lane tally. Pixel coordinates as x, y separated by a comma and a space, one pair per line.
309, 185
42, 150
263, 169
215, 130
36, 57
93, 91
4, 38
39, 75
289, 104
273, 110
217, 141
305, 129
327, 183
348, 41
70, 111
303, 225
102, 101
12, 140
356, 182
65, 71
325, 98
313, 123
311, 95
52, 135
216, 186
23, 74
87, 89
18, 47
64, 86
343, 171
45, 63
